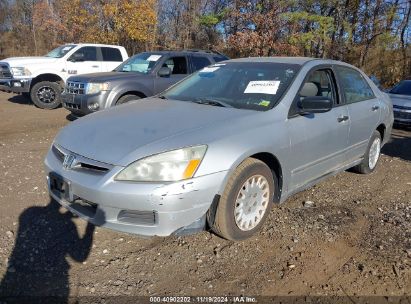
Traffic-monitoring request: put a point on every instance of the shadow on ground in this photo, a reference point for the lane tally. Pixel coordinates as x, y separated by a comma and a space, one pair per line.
20, 99
37, 266
400, 144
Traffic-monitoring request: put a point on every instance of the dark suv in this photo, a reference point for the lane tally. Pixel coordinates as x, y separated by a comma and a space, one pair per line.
140, 76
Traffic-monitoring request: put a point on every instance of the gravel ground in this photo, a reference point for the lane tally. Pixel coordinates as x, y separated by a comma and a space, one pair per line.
352, 238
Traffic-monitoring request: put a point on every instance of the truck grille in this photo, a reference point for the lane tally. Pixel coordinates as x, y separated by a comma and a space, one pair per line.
77, 88
5, 71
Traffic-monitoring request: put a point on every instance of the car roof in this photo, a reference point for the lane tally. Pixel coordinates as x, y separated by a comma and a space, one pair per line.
203, 52
290, 60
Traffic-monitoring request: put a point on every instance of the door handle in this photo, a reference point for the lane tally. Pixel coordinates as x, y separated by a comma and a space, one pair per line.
375, 108
342, 118
95, 66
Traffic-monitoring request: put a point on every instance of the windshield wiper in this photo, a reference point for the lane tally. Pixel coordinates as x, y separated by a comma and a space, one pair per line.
162, 97
212, 102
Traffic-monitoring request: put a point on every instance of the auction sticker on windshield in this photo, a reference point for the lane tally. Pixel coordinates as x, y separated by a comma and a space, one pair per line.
153, 58
209, 69
262, 87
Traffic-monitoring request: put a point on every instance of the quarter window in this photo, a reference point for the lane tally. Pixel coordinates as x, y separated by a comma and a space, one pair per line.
354, 87
177, 65
111, 54
200, 62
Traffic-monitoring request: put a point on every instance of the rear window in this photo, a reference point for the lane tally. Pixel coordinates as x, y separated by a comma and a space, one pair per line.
111, 54
220, 58
200, 62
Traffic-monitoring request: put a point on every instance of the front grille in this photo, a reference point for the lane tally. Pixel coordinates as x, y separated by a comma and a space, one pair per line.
5, 71
136, 217
401, 107
81, 162
73, 106
77, 88
402, 115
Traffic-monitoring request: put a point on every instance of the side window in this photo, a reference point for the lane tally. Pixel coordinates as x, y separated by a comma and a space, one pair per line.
200, 62
354, 87
177, 65
319, 83
111, 54
87, 53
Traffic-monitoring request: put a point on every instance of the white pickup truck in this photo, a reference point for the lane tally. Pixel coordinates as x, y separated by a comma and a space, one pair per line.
43, 78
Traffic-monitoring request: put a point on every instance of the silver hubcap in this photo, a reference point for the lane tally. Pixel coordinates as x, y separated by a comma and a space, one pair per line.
374, 153
252, 202
46, 94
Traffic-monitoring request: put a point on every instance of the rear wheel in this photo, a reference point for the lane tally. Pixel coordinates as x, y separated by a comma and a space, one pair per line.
46, 94
245, 202
126, 98
369, 163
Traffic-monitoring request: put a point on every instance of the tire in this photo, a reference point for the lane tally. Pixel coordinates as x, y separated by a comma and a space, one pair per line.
224, 221
369, 163
46, 95
127, 98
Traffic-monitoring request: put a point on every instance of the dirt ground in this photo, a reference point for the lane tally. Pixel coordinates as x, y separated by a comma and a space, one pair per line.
355, 240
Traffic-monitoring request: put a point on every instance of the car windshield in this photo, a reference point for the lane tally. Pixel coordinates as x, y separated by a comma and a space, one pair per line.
242, 85
140, 63
403, 88
60, 51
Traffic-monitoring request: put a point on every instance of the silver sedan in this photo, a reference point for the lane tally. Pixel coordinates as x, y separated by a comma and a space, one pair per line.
219, 148
401, 102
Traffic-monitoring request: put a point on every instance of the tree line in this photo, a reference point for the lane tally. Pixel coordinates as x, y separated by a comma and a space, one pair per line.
374, 35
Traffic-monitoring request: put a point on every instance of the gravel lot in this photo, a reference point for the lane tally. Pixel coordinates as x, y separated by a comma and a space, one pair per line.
355, 239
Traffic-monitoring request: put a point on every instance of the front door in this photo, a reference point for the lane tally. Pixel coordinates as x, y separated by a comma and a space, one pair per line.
318, 141
84, 60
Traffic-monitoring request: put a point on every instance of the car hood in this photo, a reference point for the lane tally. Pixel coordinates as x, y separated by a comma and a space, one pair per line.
111, 135
22, 61
105, 76
401, 100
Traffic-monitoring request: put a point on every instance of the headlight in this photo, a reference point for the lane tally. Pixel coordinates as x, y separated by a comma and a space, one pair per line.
168, 166
20, 71
93, 88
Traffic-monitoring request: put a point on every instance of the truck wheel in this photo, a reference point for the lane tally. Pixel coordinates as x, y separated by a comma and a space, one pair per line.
46, 94
372, 155
127, 98
245, 202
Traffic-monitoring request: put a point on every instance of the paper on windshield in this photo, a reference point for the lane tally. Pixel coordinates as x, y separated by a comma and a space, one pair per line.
153, 58
67, 48
209, 69
263, 87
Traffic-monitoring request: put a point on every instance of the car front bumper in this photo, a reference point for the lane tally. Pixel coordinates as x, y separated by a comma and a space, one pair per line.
15, 85
79, 104
146, 209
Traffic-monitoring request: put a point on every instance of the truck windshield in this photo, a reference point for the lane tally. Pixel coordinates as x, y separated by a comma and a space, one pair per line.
403, 88
60, 51
140, 63
243, 85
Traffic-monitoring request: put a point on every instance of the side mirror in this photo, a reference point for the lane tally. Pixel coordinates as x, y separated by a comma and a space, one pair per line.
76, 57
315, 104
164, 72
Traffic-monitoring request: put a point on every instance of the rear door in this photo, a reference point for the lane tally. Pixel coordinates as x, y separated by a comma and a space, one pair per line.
363, 110
85, 60
111, 58
179, 69
318, 141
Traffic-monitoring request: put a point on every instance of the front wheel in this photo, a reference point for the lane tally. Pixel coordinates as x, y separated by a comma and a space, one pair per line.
126, 98
372, 155
46, 94
245, 202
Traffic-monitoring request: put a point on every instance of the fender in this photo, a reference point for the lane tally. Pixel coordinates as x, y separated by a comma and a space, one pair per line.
123, 89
